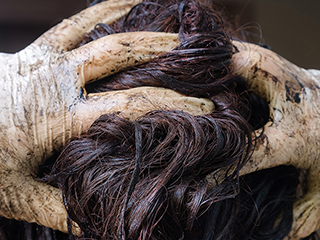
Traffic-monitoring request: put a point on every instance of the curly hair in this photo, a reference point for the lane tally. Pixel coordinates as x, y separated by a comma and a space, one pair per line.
148, 178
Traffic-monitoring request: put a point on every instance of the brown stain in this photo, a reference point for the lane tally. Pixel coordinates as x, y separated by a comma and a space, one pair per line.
257, 71
263, 142
293, 92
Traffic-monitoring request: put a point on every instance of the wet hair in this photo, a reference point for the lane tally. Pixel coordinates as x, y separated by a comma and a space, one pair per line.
148, 178
11, 229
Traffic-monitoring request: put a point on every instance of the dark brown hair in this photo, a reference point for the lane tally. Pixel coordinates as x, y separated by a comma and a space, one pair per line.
147, 179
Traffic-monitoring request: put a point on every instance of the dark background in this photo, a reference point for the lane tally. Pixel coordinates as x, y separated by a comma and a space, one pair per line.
290, 27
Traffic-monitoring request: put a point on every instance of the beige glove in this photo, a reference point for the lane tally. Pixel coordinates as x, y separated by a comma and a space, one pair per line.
292, 137
44, 103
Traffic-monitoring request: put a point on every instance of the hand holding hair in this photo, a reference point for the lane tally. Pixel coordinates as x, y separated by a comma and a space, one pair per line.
44, 102
292, 135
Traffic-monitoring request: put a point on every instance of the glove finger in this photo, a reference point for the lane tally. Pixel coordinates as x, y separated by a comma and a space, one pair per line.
66, 35
117, 52
22, 198
135, 102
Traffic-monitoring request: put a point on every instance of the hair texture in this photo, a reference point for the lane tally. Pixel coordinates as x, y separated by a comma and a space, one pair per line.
147, 179
11, 229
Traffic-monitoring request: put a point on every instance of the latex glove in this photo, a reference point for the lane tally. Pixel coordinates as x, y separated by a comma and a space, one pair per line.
292, 136
43, 102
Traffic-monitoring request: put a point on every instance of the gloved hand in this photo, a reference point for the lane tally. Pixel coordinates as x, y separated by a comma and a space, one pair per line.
44, 102
292, 136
